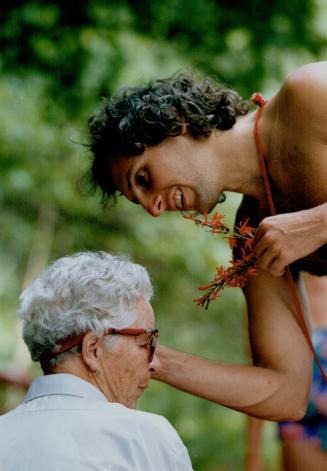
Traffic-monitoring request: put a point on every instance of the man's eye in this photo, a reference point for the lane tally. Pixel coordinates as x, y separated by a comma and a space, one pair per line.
142, 179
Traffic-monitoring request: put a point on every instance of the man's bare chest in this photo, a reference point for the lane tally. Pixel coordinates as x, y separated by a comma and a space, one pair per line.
292, 179
296, 186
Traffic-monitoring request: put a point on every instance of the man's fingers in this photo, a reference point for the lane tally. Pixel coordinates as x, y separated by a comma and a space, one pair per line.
270, 262
264, 260
257, 235
260, 249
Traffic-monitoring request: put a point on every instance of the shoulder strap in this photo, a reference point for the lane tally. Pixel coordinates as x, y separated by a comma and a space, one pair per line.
258, 99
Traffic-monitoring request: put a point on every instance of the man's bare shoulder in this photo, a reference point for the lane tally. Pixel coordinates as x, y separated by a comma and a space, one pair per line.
314, 71
303, 93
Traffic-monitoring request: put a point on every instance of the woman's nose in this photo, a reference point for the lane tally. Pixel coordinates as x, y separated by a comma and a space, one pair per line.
154, 363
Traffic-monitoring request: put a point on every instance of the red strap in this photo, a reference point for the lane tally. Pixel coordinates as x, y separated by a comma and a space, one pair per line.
68, 343
258, 99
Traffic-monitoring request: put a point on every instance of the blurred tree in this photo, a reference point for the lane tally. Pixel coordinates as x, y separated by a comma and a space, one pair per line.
235, 40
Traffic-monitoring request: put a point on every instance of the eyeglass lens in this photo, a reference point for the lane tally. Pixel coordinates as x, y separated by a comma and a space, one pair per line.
153, 343
149, 340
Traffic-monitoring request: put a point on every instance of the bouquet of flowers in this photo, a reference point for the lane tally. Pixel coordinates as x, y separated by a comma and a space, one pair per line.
236, 274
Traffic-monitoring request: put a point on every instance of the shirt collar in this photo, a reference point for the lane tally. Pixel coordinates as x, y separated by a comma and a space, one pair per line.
63, 384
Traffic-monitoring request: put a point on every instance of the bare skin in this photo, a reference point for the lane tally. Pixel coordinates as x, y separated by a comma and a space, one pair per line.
183, 173
297, 454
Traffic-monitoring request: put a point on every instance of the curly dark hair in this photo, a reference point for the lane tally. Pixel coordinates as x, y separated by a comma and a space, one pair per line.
139, 116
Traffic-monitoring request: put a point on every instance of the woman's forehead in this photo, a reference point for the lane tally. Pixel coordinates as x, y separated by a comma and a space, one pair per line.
144, 314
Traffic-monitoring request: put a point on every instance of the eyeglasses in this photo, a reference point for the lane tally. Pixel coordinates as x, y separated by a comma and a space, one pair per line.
143, 338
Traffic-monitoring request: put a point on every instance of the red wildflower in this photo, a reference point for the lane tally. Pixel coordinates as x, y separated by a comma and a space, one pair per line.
212, 222
238, 272
232, 241
248, 244
244, 229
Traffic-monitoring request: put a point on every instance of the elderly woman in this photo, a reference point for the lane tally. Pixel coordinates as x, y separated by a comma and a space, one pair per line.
89, 322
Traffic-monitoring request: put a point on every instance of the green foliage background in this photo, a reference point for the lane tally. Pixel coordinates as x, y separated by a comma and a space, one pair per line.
57, 59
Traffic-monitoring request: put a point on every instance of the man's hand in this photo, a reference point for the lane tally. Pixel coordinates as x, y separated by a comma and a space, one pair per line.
282, 239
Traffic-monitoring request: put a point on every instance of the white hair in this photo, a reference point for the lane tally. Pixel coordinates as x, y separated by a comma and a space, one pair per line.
78, 293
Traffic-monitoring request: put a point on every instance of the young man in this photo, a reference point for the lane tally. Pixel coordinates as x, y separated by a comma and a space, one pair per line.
176, 145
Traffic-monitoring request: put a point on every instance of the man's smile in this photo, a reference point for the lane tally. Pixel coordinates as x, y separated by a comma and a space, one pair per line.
179, 199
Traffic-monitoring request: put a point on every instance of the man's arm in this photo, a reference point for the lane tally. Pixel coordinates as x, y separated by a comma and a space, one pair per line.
282, 239
276, 387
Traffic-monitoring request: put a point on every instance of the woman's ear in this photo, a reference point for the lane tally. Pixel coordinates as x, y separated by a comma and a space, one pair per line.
91, 351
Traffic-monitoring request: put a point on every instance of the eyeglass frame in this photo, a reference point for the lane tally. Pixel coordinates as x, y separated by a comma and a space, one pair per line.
73, 341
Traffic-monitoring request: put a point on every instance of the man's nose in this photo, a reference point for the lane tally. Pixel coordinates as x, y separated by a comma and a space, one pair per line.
154, 363
154, 205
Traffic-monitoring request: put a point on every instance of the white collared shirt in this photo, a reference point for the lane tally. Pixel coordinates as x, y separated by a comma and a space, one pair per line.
67, 424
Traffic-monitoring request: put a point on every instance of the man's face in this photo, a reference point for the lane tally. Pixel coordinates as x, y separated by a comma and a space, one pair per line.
175, 175
126, 363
